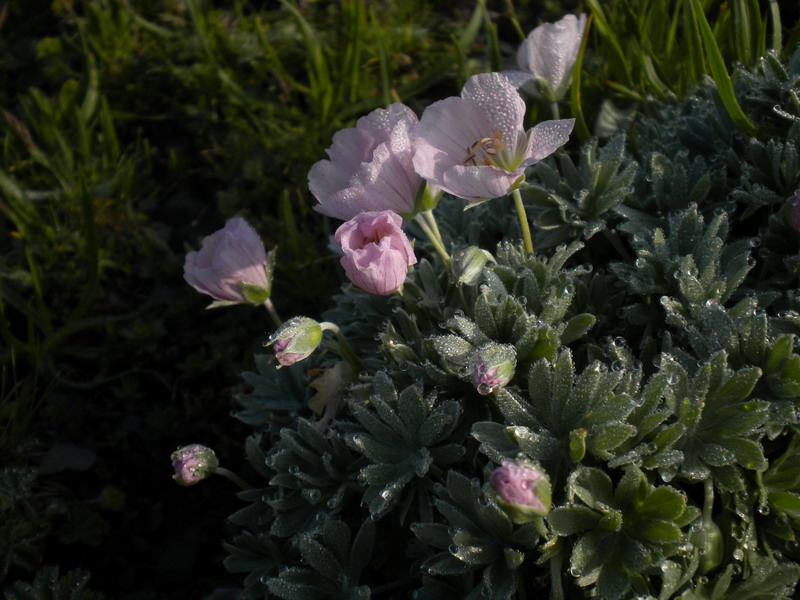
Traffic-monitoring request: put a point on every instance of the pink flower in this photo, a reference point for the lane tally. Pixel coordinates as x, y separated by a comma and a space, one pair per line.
369, 168
523, 490
376, 251
547, 56
475, 147
231, 266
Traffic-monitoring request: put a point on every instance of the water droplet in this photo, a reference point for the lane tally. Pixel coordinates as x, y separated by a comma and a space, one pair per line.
618, 366
763, 509
792, 545
755, 242
738, 554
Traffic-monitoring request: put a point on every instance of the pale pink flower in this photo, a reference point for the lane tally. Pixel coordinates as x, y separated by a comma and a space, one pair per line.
376, 251
548, 55
370, 167
475, 146
231, 266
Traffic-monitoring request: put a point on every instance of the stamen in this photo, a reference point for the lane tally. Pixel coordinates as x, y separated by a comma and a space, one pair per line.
484, 150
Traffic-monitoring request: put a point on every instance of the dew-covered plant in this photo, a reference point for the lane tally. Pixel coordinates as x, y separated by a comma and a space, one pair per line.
604, 406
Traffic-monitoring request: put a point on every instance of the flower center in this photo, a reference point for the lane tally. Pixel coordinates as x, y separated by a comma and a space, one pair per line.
375, 238
484, 151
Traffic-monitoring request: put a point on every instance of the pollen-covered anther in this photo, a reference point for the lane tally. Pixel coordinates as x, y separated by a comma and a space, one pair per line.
482, 151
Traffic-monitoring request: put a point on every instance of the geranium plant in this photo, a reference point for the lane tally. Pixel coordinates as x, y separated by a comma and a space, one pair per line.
516, 412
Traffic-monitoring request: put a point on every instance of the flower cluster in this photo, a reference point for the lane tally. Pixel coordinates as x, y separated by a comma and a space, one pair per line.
393, 166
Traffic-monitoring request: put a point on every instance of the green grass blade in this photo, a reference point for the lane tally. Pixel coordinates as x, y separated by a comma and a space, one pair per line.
694, 44
720, 73
575, 87
775, 16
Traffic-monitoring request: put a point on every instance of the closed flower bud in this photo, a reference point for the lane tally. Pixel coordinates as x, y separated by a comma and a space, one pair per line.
793, 212
492, 366
467, 264
523, 490
231, 266
295, 340
193, 463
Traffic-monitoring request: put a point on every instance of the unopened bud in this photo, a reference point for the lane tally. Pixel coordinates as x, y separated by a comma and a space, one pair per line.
468, 263
193, 463
523, 490
295, 340
492, 367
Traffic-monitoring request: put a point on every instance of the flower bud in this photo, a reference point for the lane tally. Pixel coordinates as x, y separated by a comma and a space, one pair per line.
193, 463
793, 212
295, 340
467, 264
492, 366
523, 490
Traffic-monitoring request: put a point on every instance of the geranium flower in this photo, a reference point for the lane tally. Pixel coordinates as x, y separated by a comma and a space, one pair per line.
547, 56
376, 251
475, 146
370, 167
231, 266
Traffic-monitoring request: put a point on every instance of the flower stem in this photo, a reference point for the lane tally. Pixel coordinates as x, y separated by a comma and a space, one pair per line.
233, 477
523, 221
434, 236
272, 312
345, 351
554, 110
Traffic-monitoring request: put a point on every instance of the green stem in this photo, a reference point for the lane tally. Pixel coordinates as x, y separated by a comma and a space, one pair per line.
556, 589
272, 312
615, 241
523, 221
345, 351
555, 111
233, 477
434, 239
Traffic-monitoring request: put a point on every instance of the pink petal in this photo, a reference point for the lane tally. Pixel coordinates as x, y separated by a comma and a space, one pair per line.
547, 137
445, 132
498, 100
478, 183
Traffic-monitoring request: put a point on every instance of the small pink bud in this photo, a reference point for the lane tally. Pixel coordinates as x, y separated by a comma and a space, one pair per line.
295, 340
523, 490
376, 251
193, 463
492, 367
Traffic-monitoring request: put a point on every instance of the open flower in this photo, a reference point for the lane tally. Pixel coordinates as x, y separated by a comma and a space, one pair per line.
547, 56
523, 490
475, 147
376, 251
370, 167
231, 266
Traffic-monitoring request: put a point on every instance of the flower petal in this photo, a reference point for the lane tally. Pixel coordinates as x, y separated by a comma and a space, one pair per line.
498, 100
547, 137
445, 132
478, 183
